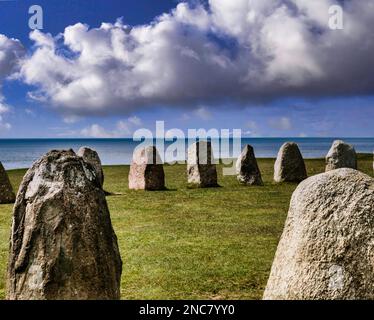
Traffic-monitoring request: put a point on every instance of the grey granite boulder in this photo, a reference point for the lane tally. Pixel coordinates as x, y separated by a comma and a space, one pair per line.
6, 190
201, 169
327, 247
289, 165
92, 157
146, 170
62, 243
341, 155
247, 168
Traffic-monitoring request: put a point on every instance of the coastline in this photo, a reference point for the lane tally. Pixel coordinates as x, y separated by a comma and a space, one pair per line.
21, 153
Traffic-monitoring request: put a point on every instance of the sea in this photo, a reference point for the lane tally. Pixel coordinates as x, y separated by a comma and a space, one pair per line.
21, 153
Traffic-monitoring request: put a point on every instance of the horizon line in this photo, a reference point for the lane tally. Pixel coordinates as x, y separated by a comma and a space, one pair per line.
131, 138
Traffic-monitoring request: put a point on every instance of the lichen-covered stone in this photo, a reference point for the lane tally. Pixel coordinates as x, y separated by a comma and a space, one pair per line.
201, 169
247, 168
62, 243
146, 170
327, 247
341, 155
289, 166
92, 157
6, 190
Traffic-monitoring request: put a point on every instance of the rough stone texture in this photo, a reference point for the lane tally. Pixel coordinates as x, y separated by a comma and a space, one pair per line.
327, 247
6, 190
91, 156
289, 166
146, 171
247, 168
62, 243
201, 169
341, 155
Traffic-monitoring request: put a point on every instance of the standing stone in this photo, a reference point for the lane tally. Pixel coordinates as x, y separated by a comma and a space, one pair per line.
341, 155
201, 169
289, 166
327, 247
247, 168
6, 190
146, 171
62, 243
91, 156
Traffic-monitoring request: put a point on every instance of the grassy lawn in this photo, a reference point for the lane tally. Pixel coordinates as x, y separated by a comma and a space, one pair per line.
191, 243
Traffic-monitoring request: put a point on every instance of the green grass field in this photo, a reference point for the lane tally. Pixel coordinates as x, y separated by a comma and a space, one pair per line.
191, 243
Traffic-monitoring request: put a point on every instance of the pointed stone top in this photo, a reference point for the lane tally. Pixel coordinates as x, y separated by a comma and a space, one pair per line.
341, 155
6, 190
247, 168
92, 157
289, 165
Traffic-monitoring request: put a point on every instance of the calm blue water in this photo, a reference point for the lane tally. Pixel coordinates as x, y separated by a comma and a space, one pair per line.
21, 153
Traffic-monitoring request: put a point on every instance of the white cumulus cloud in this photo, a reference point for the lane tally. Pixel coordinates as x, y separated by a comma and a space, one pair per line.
123, 128
203, 113
242, 50
11, 50
281, 123
95, 131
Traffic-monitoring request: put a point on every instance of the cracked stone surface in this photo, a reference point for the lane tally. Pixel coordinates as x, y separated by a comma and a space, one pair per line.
289, 165
146, 170
62, 242
92, 157
6, 190
247, 168
327, 247
341, 155
201, 169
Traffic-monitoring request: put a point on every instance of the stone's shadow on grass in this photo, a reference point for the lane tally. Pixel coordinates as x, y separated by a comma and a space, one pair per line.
284, 183
160, 190
108, 193
170, 190
113, 194
149, 191
194, 186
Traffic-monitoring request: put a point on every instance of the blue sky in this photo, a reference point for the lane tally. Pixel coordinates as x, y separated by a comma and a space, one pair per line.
299, 106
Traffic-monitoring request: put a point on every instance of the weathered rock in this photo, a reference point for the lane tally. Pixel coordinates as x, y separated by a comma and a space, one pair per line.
91, 156
62, 243
201, 169
146, 171
341, 155
247, 168
327, 247
289, 166
6, 190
